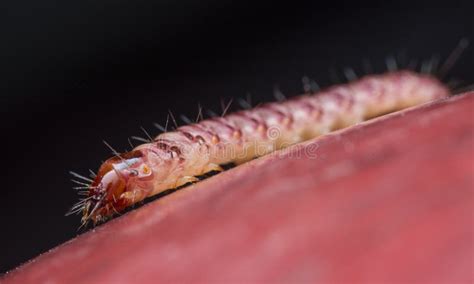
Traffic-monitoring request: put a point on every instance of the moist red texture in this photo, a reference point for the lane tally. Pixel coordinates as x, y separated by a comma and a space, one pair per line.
389, 200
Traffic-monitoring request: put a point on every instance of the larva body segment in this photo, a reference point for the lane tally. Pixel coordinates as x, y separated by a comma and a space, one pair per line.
176, 158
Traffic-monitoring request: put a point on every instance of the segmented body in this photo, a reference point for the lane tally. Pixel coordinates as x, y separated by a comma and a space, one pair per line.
177, 157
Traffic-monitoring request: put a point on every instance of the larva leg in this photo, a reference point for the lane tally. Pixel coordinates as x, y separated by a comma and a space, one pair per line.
184, 180
212, 167
131, 197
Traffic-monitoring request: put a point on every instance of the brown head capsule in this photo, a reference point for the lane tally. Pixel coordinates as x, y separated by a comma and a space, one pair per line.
108, 191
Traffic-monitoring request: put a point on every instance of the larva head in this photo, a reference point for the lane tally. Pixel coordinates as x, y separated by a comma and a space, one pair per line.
116, 180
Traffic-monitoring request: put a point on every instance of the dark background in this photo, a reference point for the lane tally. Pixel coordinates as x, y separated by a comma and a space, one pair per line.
76, 72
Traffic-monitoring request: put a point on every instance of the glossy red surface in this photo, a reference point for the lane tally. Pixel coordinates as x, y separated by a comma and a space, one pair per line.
390, 200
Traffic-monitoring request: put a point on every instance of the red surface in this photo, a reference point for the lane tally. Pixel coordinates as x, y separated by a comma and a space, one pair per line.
390, 200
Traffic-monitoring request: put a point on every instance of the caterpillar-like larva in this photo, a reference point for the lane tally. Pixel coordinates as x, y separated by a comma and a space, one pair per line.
175, 158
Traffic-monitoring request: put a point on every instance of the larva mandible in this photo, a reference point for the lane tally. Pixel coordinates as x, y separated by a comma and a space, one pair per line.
176, 157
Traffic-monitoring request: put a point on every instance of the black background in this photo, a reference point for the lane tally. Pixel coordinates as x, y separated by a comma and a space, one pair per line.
76, 72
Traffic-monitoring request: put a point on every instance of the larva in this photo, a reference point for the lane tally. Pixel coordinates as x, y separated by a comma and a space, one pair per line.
177, 157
